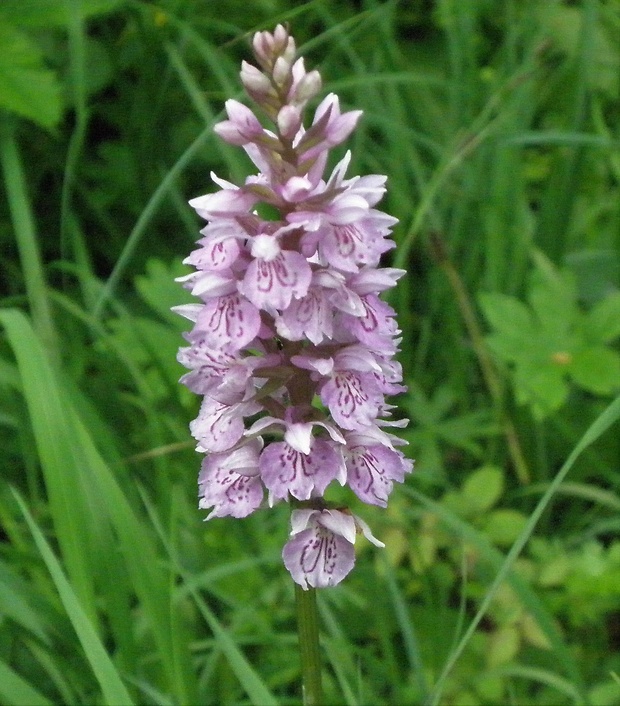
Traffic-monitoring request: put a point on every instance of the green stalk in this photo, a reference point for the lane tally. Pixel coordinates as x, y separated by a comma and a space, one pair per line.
25, 235
489, 373
310, 655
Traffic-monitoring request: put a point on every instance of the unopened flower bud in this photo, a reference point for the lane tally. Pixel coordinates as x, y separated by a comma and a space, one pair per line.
254, 80
281, 71
289, 52
289, 121
308, 87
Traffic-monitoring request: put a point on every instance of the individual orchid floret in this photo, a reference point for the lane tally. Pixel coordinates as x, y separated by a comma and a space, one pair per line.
320, 552
291, 347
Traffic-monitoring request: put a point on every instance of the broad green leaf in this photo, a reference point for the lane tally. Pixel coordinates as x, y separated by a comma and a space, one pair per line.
504, 526
483, 488
544, 389
603, 320
553, 301
596, 369
27, 87
48, 13
506, 314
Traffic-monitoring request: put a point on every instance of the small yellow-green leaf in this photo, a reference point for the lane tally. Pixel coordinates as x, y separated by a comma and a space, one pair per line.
483, 488
554, 572
544, 389
533, 633
506, 314
504, 645
504, 526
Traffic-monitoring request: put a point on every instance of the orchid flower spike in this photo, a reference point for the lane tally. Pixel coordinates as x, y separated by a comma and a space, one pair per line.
292, 349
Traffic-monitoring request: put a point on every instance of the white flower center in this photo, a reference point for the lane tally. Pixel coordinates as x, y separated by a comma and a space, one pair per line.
265, 247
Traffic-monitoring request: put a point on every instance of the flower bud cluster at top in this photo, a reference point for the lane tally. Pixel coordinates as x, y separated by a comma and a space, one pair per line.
291, 348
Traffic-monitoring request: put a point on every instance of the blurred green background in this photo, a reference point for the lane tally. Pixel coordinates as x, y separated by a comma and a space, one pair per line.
498, 125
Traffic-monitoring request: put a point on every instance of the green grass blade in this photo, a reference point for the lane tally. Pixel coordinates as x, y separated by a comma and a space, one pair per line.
16, 691
14, 605
245, 673
112, 687
25, 234
58, 454
608, 417
154, 203
80, 484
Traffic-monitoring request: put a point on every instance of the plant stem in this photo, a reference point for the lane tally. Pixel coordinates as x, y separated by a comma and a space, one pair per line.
489, 373
25, 235
310, 656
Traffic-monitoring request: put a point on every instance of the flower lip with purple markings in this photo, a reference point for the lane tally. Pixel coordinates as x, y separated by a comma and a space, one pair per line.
291, 347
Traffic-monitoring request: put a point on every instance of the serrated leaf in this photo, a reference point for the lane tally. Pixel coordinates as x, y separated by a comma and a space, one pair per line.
544, 388
596, 369
603, 321
26, 86
50, 13
484, 487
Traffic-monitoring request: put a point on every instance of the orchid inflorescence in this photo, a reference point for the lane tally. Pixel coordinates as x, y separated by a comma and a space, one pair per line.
292, 349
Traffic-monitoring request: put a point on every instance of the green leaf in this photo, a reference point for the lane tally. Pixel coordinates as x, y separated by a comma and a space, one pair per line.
504, 645
15, 690
543, 388
596, 369
112, 687
601, 424
27, 88
603, 321
49, 13
160, 291
506, 314
13, 604
483, 488
504, 526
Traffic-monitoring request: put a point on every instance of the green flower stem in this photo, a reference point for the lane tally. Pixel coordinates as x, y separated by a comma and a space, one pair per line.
309, 650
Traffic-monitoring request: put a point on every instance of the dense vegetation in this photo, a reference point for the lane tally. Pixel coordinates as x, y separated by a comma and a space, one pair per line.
498, 125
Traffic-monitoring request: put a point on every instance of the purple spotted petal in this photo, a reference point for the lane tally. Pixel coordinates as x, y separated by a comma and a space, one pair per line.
271, 284
286, 471
212, 368
371, 472
316, 557
376, 327
219, 425
311, 317
229, 482
215, 254
229, 322
353, 399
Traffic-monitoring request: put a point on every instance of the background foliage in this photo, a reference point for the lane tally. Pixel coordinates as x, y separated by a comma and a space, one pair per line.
497, 122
